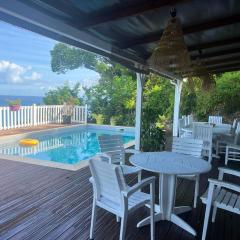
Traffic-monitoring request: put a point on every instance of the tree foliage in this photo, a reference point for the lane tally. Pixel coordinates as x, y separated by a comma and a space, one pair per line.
64, 58
63, 94
223, 99
112, 100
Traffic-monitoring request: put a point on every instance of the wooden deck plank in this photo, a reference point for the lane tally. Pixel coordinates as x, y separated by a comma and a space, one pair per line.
41, 203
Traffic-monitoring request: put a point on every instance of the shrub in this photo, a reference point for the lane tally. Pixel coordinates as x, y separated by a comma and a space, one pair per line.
99, 118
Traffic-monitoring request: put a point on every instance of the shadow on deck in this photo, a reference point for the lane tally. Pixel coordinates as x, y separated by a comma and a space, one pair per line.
39, 202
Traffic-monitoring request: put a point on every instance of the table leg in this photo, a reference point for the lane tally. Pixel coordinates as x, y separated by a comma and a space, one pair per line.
166, 209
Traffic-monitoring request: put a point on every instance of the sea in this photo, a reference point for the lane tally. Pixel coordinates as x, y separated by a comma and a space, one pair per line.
25, 100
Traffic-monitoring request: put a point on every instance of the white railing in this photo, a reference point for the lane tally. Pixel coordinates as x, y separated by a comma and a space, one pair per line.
28, 116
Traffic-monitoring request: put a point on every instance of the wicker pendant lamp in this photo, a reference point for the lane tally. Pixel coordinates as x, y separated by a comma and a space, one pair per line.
171, 54
202, 72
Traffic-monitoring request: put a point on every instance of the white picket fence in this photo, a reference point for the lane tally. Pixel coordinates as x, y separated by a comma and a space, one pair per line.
28, 116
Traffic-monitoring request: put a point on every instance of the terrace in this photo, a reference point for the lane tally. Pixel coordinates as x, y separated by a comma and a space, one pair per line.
38, 202
45, 203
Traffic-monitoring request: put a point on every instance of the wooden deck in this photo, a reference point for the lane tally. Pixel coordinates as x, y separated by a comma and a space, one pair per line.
44, 203
31, 129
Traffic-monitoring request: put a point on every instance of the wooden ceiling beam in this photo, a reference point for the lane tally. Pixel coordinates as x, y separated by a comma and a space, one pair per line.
153, 37
222, 60
223, 70
228, 65
123, 10
216, 53
65, 7
228, 41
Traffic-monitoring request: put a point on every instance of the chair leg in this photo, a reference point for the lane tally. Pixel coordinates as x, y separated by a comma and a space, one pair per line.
210, 155
217, 148
207, 211
139, 176
214, 214
196, 192
118, 219
123, 226
93, 220
226, 156
152, 210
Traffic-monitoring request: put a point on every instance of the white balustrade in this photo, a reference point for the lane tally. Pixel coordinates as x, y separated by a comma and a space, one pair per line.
34, 115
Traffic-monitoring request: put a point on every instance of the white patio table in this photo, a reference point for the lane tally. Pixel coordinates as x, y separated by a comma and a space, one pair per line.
168, 165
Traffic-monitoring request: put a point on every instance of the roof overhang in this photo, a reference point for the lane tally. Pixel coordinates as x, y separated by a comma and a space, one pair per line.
128, 31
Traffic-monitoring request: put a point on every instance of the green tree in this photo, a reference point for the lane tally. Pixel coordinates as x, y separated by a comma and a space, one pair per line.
63, 94
223, 99
65, 57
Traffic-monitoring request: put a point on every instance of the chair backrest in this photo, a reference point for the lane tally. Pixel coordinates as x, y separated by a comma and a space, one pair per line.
108, 181
180, 126
237, 134
188, 146
215, 119
185, 120
113, 145
234, 124
190, 120
203, 132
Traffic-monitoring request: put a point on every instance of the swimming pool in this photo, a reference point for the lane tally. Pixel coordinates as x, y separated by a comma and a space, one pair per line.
68, 146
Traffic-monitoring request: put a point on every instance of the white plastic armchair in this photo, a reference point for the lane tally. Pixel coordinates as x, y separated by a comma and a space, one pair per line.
224, 140
113, 151
204, 132
191, 147
111, 193
221, 194
232, 153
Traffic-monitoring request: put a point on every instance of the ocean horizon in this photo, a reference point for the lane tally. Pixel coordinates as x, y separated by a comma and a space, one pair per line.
25, 100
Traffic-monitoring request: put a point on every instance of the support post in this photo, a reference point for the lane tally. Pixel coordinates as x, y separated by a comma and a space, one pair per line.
178, 89
140, 83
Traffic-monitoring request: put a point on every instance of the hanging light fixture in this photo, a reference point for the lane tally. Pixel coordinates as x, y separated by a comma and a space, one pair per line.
200, 70
171, 53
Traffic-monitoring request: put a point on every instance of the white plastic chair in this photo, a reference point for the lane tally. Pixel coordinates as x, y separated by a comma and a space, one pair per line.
183, 132
232, 153
191, 147
215, 119
205, 133
225, 140
112, 150
190, 119
221, 194
111, 193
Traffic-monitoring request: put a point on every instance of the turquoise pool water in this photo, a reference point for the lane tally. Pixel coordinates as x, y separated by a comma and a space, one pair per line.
67, 147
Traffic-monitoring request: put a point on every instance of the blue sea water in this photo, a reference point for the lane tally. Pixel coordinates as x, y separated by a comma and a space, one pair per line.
25, 100
68, 147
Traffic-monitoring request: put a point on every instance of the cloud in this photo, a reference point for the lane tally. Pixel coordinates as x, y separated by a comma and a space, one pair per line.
12, 73
34, 76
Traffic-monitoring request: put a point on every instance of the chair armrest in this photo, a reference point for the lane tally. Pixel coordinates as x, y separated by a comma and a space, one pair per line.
147, 181
91, 180
133, 151
105, 155
229, 171
219, 183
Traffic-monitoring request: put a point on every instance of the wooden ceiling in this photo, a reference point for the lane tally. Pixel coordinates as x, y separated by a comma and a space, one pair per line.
131, 29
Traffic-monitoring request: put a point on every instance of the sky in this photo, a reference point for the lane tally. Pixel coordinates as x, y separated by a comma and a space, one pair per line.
25, 64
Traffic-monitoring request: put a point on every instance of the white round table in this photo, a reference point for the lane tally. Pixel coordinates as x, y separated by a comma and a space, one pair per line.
169, 165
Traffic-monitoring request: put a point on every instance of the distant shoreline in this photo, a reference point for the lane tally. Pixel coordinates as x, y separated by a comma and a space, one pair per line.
26, 100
